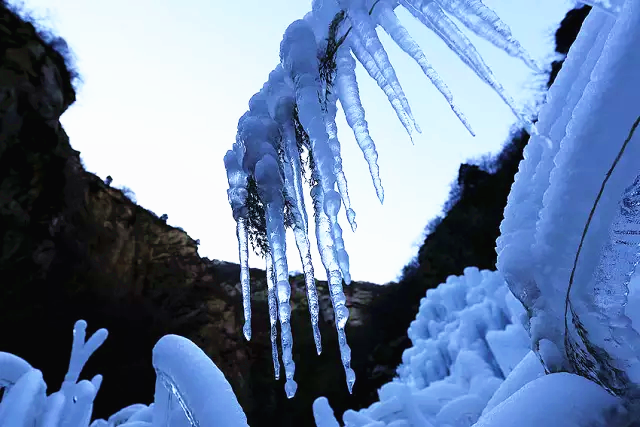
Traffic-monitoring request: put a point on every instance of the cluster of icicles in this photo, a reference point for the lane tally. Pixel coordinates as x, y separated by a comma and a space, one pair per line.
267, 149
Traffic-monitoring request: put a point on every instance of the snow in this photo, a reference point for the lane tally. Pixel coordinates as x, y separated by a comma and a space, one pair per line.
190, 390
323, 414
556, 404
186, 374
526, 371
464, 345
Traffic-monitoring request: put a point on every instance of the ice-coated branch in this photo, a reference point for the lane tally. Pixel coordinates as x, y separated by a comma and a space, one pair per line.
81, 350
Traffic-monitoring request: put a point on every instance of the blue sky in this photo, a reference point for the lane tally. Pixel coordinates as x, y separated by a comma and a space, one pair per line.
165, 81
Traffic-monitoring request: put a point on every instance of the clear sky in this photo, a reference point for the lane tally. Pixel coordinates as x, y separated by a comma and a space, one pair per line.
165, 82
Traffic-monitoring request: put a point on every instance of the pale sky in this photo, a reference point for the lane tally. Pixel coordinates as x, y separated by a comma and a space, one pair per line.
165, 82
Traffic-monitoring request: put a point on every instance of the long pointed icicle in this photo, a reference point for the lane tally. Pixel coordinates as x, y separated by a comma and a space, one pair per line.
282, 114
334, 277
293, 193
363, 29
432, 16
334, 144
485, 23
369, 64
243, 250
237, 195
273, 314
269, 182
391, 24
298, 57
347, 89
331, 208
304, 248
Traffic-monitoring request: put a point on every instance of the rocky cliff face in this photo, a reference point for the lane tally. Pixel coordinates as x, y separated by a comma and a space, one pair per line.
73, 247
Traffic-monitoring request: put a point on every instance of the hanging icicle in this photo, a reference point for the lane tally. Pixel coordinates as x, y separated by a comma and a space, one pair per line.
291, 126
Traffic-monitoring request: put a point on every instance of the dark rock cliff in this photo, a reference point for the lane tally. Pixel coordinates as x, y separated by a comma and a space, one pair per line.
75, 248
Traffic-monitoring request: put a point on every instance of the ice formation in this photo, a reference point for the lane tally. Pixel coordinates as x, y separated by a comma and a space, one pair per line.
190, 390
556, 327
567, 246
610, 6
471, 364
294, 114
467, 337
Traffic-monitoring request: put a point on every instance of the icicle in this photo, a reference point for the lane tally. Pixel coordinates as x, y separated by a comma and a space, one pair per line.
347, 90
431, 15
485, 23
391, 24
331, 208
269, 182
334, 144
273, 313
394, 92
243, 249
363, 25
298, 58
304, 248
301, 233
282, 113
293, 192
334, 277
237, 194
